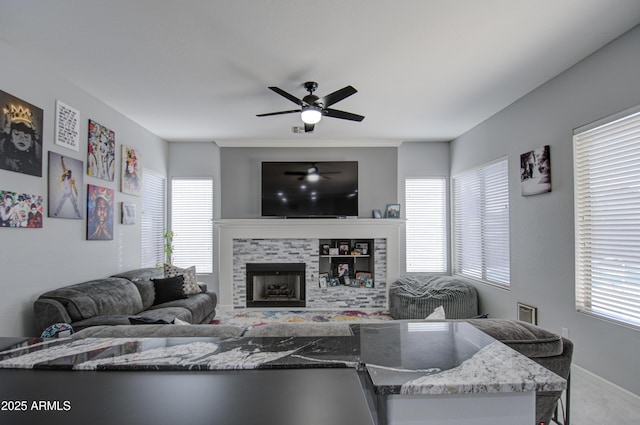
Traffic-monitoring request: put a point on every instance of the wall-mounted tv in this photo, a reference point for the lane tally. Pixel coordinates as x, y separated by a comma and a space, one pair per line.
310, 189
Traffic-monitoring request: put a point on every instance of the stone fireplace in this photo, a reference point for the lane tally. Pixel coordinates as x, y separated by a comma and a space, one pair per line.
275, 285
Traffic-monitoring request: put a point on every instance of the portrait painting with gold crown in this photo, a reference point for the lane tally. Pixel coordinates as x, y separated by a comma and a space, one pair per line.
131, 179
20, 136
100, 207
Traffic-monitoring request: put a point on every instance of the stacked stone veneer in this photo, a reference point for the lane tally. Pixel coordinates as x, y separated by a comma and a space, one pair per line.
307, 251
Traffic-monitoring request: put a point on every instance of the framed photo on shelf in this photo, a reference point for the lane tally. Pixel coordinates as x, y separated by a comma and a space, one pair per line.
334, 281
344, 248
376, 213
324, 280
393, 211
362, 248
363, 275
368, 282
341, 268
346, 280
326, 249
334, 251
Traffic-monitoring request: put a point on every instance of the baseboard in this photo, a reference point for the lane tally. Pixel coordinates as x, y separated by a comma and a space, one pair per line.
606, 386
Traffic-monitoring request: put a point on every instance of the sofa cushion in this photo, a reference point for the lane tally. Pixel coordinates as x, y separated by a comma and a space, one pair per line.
160, 331
100, 297
169, 289
529, 340
142, 279
190, 278
200, 306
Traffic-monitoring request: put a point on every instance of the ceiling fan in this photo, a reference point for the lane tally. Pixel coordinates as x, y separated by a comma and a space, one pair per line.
313, 108
312, 174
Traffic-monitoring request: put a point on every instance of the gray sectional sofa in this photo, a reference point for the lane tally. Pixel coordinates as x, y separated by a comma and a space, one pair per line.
119, 299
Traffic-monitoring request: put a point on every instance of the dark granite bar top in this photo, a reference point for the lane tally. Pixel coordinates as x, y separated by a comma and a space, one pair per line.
400, 357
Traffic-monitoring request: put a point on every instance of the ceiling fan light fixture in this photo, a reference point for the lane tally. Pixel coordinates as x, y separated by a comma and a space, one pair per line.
311, 115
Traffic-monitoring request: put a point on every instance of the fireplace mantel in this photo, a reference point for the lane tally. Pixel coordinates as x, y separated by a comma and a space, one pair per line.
230, 229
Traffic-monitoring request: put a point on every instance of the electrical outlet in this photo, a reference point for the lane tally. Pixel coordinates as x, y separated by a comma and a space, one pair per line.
565, 332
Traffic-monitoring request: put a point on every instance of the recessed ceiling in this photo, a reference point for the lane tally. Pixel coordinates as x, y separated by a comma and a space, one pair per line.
198, 70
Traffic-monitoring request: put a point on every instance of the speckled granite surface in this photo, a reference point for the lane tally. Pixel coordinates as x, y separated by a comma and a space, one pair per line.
400, 357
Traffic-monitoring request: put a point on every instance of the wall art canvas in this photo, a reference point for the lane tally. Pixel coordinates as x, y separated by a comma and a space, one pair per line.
131, 179
67, 126
101, 153
535, 171
128, 213
20, 136
21, 210
65, 186
99, 213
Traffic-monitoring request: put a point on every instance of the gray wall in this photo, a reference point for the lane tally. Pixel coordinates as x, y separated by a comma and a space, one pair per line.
542, 226
36, 260
377, 170
419, 160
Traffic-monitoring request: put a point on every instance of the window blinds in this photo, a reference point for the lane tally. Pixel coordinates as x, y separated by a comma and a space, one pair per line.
607, 219
481, 223
192, 223
152, 219
426, 228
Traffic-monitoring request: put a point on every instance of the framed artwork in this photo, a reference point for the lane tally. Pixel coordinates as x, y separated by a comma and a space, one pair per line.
368, 282
535, 171
65, 177
334, 281
128, 213
101, 152
99, 213
393, 211
20, 136
342, 268
67, 126
131, 178
326, 249
344, 248
20, 210
376, 213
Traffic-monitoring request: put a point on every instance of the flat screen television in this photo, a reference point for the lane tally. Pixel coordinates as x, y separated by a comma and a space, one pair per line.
310, 189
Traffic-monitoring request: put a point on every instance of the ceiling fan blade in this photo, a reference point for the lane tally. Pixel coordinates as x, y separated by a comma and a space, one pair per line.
279, 113
338, 95
308, 128
334, 113
287, 95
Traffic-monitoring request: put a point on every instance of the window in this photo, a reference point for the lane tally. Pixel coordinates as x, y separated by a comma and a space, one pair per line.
607, 218
426, 214
153, 219
192, 223
481, 223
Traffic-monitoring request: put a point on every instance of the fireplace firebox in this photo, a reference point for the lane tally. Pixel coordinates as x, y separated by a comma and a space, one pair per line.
275, 285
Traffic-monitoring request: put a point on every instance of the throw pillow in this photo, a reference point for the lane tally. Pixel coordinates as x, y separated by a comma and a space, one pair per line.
169, 289
190, 278
438, 314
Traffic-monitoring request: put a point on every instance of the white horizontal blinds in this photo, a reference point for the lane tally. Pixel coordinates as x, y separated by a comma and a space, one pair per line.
152, 219
192, 223
481, 223
607, 208
425, 211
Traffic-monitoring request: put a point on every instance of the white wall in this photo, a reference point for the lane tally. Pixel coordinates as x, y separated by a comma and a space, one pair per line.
542, 226
36, 260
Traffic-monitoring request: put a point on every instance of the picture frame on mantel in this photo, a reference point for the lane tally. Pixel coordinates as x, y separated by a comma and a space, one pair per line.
393, 211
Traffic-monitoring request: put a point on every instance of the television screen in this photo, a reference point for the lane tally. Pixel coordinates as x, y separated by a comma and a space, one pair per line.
310, 189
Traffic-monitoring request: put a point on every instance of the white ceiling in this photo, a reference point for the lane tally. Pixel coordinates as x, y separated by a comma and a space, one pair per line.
198, 70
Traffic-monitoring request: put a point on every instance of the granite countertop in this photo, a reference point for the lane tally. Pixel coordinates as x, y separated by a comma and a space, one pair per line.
400, 357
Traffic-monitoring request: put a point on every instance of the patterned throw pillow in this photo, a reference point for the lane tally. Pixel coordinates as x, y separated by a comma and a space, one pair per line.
190, 279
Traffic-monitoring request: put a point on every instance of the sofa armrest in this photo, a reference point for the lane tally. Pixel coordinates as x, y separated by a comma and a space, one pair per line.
49, 312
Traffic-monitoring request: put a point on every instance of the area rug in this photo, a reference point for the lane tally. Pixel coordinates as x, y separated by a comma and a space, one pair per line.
257, 318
